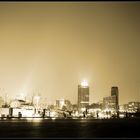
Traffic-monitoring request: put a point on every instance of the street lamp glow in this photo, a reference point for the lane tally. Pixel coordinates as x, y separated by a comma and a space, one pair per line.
84, 83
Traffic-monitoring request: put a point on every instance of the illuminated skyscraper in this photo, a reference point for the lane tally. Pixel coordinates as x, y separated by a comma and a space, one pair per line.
115, 92
83, 96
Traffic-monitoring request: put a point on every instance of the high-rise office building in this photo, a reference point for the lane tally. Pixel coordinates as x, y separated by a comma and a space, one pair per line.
115, 93
83, 96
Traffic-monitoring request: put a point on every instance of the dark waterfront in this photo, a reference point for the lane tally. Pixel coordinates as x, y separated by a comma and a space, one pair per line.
69, 128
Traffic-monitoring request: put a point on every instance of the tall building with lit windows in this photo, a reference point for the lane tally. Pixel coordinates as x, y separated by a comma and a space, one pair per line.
115, 93
111, 103
83, 96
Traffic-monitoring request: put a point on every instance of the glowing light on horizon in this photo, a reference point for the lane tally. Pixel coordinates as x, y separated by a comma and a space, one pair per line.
84, 83
31, 74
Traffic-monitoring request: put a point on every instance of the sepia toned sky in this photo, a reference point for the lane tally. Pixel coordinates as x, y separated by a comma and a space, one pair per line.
47, 48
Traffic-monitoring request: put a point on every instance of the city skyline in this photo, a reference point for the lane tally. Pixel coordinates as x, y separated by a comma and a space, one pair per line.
49, 48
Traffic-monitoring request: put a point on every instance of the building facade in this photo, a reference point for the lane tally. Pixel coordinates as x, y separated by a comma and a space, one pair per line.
83, 96
133, 106
109, 103
115, 94
63, 104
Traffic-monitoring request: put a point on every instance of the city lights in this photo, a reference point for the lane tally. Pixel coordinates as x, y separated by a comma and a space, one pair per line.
63, 108
84, 83
69, 70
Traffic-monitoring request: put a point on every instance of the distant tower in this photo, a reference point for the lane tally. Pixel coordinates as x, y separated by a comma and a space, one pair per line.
115, 92
83, 96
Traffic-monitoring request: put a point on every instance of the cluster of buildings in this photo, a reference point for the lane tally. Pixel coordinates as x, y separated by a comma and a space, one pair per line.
109, 104
107, 108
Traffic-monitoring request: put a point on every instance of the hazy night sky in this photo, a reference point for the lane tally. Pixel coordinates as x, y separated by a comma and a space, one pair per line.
50, 47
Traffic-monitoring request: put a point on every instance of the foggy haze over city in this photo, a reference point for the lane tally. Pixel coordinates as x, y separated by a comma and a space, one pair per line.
48, 48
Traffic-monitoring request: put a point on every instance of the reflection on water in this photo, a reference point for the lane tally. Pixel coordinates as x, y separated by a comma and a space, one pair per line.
53, 118
34, 119
68, 128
